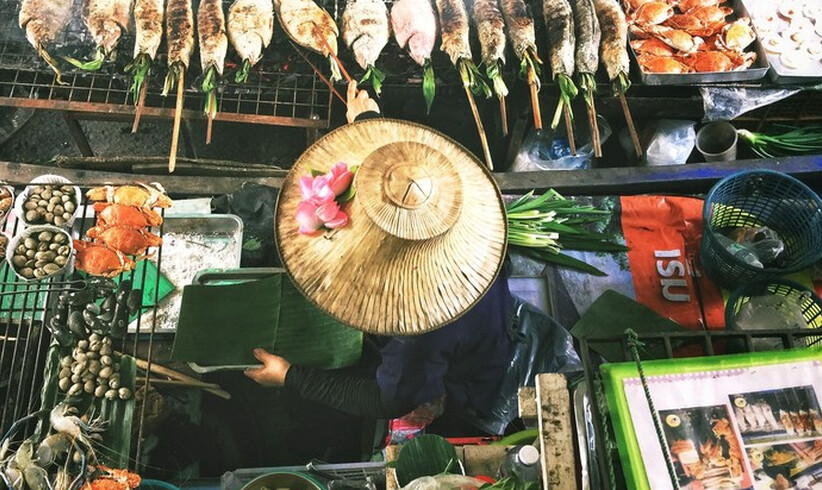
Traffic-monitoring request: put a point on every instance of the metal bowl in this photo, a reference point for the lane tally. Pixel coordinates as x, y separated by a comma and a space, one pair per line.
284, 479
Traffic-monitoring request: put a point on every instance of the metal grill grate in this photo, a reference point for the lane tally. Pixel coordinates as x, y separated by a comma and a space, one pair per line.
24, 341
282, 90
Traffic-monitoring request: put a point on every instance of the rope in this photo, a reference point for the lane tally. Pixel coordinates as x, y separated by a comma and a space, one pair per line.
634, 343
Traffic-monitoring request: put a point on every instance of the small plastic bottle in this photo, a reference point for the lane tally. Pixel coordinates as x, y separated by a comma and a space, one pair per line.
521, 462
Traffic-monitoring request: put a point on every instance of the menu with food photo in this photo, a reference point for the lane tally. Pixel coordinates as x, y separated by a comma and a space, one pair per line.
754, 424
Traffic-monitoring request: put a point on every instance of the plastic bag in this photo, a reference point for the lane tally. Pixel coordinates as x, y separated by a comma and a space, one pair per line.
541, 346
549, 150
725, 103
444, 481
254, 204
763, 241
671, 143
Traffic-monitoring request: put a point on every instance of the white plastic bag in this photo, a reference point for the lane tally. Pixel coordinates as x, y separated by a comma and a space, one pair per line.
444, 481
671, 143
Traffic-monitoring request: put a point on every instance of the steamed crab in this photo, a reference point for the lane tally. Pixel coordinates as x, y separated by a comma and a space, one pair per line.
120, 214
99, 260
140, 195
113, 479
678, 39
686, 5
693, 25
128, 240
713, 61
651, 14
736, 36
661, 64
652, 46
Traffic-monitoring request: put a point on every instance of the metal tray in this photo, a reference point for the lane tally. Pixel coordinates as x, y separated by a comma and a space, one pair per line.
757, 72
779, 73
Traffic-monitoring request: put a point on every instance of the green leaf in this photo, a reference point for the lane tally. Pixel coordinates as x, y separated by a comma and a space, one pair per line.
375, 76
93, 64
242, 74
527, 436
316, 173
347, 195
563, 260
425, 455
139, 68
252, 245
429, 85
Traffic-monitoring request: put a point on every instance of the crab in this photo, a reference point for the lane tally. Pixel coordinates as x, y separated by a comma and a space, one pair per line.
686, 5
113, 479
631, 5
693, 25
651, 14
120, 214
661, 64
678, 39
99, 260
131, 195
652, 46
736, 36
128, 240
714, 61
711, 15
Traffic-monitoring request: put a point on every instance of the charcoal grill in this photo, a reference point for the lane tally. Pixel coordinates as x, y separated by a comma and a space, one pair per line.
24, 340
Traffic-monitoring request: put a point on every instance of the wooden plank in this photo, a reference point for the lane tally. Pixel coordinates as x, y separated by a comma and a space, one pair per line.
483, 460
690, 178
556, 433
391, 454
527, 402
21, 173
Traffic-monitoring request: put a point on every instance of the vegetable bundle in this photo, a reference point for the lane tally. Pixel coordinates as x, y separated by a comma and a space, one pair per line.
791, 141
542, 227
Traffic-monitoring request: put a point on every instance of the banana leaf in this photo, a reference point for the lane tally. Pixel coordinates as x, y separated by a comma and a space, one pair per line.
425, 455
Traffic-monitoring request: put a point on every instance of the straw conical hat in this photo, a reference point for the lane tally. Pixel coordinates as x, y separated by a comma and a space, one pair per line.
426, 236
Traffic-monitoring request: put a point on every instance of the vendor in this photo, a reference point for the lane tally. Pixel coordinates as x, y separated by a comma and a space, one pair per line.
463, 361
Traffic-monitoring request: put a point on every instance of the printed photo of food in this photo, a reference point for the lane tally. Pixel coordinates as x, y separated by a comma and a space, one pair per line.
782, 415
791, 466
705, 448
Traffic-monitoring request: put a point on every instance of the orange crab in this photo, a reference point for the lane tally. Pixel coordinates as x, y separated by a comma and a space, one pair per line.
686, 5
131, 195
661, 64
736, 36
713, 61
651, 14
711, 15
113, 479
693, 25
130, 241
99, 260
631, 5
652, 46
120, 214
678, 39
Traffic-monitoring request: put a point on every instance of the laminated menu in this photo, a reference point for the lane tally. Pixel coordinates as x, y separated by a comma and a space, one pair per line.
749, 421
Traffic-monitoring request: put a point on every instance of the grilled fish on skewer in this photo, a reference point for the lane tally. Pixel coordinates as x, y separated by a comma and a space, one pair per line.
43, 21
148, 20
587, 59
213, 47
520, 25
491, 30
559, 21
180, 39
415, 29
311, 27
250, 28
365, 31
107, 21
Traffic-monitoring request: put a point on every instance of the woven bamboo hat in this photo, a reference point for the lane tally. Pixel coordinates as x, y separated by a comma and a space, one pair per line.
426, 236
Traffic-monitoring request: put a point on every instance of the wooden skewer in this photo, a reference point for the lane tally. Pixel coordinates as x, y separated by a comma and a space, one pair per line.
209, 124
138, 111
178, 382
569, 130
592, 121
178, 116
535, 106
630, 121
503, 110
334, 56
164, 371
322, 77
483, 138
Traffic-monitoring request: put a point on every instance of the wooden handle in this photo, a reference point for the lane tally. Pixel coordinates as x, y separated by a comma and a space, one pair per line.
138, 111
535, 106
162, 370
178, 117
177, 382
569, 129
503, 112
483, 138
631, 127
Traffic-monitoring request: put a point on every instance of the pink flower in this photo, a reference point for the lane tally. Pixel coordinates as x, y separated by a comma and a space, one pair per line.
316, 189
313, 216
339, 178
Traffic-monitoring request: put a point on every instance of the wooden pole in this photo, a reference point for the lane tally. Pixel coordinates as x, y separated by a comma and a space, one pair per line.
503, 111
483, 138
138, 111
592, 121
535, 106
630, 120
569, 129
164, 371
178, 117
556, 432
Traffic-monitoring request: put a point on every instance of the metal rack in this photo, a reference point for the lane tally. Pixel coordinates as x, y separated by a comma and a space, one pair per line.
709, 342
24, 340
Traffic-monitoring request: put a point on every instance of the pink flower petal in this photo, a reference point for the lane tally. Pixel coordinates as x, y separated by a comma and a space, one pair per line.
328, 211
338, 222
339, 178
307, 218
307, 186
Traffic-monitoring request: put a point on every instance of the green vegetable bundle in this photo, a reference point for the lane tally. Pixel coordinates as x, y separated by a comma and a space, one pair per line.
542, 227
790, 141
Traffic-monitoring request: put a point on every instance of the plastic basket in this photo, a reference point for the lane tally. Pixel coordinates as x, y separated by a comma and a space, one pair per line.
811, 304
761, 198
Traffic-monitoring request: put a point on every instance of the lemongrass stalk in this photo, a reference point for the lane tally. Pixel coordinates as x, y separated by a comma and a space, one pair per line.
93, 64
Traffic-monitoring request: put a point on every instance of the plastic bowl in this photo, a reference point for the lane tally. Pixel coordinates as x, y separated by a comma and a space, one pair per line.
756, 199
47, 179
284, 479
33, 230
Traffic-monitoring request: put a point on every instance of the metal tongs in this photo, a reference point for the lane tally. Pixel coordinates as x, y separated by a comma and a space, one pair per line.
336, 482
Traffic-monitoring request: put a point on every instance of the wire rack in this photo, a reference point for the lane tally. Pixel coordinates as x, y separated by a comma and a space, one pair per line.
24, 339
281, 90
671, 345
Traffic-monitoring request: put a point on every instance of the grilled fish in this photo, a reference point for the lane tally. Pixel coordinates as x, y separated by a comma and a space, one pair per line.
43, 21
415, 28
179, 32
212, 35
454, 29
559, 21
491, 30
308, 25
250, 28
587, 36
520, 24
148, 20
365, 29
613, 52
107, 20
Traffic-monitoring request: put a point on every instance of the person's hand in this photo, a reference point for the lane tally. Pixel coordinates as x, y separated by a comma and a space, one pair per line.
358, 102
273, 370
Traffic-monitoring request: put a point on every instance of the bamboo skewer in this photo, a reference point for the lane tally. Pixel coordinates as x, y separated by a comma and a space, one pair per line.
569, 129
503, 110
592, 121
535, 106
630, 120
322, 77
178, 116
209, 125
333, 56
164, 371
483, 138
138, 111
178, 382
